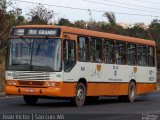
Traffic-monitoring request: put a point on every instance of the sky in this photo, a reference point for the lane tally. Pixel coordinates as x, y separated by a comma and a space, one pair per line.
153, 9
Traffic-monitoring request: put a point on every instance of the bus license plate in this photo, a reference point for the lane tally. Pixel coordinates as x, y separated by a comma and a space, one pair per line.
29, 90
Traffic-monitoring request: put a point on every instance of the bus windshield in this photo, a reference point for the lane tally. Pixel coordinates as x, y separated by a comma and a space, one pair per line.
42, 54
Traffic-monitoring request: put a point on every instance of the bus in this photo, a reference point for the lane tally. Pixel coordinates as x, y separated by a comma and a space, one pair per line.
77, 64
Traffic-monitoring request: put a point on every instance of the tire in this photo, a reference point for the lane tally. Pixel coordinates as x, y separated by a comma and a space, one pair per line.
79, 99
30, 100
131, 92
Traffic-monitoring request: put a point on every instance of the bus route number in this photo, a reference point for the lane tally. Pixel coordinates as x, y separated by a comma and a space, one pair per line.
82, 68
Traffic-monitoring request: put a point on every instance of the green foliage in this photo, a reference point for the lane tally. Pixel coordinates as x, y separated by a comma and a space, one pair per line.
40, 15
4, 4
139, 32
9, 19
64, 22
80, 24
154, 29
111, 17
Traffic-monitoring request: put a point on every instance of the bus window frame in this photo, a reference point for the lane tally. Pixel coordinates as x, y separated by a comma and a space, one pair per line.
111, 40
100, 51
135, 53
146, 55
154, 55
125, 52
87, 49
75, 53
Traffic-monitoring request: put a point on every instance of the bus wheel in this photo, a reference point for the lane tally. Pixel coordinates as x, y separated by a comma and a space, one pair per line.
30, 100
80, 97
131, 92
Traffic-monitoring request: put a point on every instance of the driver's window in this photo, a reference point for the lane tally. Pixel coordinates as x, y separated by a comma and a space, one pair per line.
69, 55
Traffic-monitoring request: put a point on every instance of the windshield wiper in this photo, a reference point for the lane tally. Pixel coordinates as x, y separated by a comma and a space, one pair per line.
20, 64
16, 64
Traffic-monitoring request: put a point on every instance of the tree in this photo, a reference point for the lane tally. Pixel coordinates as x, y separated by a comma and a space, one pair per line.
8, 19
3, 24
4, 4
65, 22
111, 17
154, 29
139, 32
15, 17
112, 27
80, 24
40, 15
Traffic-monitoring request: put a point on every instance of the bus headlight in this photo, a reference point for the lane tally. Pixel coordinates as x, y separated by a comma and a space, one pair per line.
50, 84
11, 82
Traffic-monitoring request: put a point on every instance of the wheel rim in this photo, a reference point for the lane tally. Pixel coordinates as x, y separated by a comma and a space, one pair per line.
132, 92
80, 95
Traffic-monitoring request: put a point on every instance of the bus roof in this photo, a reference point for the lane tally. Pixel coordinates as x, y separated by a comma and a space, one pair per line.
91, 33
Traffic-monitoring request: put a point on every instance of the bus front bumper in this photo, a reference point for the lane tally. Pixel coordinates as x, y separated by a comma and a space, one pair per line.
50, 91
64, 90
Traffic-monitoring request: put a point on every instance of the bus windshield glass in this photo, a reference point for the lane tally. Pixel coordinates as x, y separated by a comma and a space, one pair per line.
42, 54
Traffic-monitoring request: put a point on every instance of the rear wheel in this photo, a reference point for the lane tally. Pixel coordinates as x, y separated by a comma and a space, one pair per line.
30, 100
80, 97
131, 94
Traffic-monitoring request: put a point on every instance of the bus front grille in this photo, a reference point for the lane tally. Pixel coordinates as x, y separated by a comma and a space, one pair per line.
37, 83
31, 75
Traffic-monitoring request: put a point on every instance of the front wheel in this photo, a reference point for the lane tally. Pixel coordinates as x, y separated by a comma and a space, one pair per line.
80, 97
30, 100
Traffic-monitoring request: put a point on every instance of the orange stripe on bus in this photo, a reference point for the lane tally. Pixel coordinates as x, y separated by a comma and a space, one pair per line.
93, 89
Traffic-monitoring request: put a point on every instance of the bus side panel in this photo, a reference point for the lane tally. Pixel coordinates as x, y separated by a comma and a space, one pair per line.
145, 87
146, 79
108, 79
107, 89
68, 89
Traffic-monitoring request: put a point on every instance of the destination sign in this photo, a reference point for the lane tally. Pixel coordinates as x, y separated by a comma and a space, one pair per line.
35, 32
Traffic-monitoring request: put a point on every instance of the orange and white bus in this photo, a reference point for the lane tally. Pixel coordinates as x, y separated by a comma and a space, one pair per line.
66, 62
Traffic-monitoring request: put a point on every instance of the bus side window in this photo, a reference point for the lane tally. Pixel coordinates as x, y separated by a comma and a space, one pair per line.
96, 50
131, 51
83, 49
120, 52
108, 51
69, 55
151, 59
142, 55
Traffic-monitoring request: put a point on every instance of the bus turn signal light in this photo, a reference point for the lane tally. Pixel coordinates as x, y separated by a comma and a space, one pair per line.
11, 82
